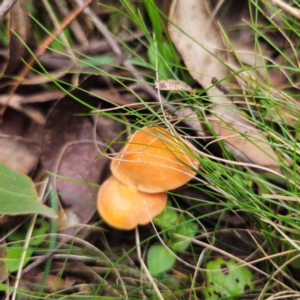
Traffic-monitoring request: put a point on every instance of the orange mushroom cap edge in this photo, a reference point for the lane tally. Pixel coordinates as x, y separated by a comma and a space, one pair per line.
154, 160
125, 207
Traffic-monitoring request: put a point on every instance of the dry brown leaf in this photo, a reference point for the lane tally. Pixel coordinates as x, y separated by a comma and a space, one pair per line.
172, 85
250, 143
19, 154
69, 150
19, 32
19, 142
200, 43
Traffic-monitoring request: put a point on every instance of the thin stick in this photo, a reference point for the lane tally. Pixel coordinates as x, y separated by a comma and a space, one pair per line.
22, 259
199, 262
287, 8
222, 89
144, 267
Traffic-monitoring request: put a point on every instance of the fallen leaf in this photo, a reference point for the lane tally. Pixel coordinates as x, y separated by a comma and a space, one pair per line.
199, 42
198, 39
18, 195
172, 85
18, 153
70, 150
244, 139
19, 142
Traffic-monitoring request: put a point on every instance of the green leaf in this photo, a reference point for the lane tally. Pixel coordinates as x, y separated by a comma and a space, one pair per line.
13, 257
159, 259
186, 228
155, 18
18, 195
226, 280
14, 252
41, 227
164, 52
167, 219
39, 232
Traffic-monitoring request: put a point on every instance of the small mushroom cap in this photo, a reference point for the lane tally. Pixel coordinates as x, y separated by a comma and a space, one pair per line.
155, 161
125, 207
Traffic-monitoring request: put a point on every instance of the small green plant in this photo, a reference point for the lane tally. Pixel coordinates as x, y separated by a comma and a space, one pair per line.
160, 259
14, 251
18, 194
226, 280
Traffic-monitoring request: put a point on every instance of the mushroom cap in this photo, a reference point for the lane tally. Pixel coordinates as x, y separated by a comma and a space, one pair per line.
154, 161
125, 207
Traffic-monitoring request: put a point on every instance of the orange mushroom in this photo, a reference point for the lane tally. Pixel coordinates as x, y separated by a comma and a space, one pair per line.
125, 207
155, 161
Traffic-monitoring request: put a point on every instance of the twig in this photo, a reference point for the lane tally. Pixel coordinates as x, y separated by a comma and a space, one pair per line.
286, 7
222, 89
23, 255
5, 7
199, 262
143, 265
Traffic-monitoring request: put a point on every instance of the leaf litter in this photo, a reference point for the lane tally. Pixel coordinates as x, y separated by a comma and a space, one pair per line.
70, 151
73, 144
